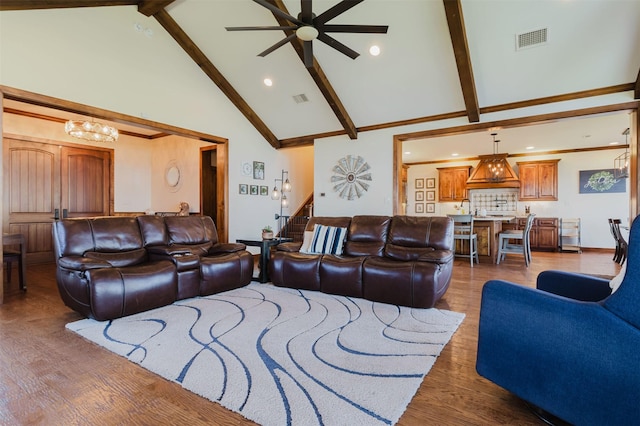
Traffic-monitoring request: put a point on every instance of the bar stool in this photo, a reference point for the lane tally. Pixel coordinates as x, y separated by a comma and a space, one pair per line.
506, 244
621, 244
463, 231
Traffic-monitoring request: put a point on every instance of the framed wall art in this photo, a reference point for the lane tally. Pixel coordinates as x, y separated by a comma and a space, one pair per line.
431, 182
431, 207
253, 190
601, 182
258, 170
420, 208
431, 195
264, 190
243, 189
419, 195
419, 183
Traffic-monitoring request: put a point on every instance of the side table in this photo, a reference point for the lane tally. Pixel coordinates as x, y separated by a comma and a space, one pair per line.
265, 250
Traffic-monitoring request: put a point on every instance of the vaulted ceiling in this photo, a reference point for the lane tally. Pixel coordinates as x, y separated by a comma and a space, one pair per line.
441, 59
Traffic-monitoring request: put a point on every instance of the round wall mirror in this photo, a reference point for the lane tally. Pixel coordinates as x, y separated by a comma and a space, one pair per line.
172, 176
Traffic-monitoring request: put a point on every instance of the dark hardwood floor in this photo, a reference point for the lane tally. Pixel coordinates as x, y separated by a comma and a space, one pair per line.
50, 376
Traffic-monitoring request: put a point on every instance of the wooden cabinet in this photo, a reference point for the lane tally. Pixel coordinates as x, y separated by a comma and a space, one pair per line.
452, 183
544, 233
538, 180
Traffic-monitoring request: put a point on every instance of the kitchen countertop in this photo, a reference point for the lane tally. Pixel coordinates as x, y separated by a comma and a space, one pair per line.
494, 218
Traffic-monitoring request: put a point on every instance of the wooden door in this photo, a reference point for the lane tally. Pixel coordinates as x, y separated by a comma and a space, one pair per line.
43, 181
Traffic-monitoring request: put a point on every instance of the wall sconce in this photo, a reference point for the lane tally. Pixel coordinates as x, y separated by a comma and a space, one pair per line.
621, 162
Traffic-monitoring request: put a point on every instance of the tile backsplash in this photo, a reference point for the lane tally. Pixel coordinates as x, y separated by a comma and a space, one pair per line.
496, 202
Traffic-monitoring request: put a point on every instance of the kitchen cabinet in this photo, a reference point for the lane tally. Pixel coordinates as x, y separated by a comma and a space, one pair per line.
452, 183
538, 180
544, 233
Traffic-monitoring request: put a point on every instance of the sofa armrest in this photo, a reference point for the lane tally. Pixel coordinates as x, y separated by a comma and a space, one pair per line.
226, 248
167, 251
573, 285
81, 263
575, 359
290, 246
437, 256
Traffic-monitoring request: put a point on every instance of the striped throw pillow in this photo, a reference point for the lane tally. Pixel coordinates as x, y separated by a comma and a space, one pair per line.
327, 239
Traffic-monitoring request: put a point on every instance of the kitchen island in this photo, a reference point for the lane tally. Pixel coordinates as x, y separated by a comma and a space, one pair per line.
488, 228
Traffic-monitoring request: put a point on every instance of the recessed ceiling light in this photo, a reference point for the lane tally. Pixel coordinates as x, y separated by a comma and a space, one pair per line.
614, 143
407, 152
268, 82
455, 154
374, 50
530, 147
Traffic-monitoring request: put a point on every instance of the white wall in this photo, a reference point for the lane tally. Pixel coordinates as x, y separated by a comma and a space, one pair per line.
592, 209
376, 148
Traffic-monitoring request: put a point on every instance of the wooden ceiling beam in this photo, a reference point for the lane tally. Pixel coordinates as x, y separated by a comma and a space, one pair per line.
455, 20
151, 7
61, 4
320, 78
178, 34
636, 91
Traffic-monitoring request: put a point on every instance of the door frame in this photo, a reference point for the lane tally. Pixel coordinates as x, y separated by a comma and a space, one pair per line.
222, 199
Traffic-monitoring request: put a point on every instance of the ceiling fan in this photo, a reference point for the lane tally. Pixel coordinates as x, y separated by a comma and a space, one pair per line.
308, 27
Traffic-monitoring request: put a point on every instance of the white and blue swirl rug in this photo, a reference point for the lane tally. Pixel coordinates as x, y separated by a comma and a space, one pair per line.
280, 356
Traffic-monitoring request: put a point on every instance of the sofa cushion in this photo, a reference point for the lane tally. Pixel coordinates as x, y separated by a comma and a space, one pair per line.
120, 259
327, 239
367, 236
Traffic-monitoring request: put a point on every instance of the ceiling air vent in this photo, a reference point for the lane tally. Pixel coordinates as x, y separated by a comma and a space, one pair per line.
301, 98
531, 38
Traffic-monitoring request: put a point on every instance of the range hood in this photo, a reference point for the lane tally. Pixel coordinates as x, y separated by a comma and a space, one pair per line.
481, 177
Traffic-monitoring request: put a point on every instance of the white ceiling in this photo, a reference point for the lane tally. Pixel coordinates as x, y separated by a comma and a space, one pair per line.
592, 44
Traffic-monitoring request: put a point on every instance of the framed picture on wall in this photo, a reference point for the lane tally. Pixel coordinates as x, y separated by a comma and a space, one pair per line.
243, 189
253, 190
431, 207
431, 182
258, 170
419, 208
431, 195
419, 183
600, 181
419, 195
264, 190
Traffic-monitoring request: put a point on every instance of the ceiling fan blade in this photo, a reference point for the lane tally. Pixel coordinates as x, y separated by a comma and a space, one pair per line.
306, 12
377, 29
279, 12
307, 47
291, 27
330, 41
334, 11
277, 45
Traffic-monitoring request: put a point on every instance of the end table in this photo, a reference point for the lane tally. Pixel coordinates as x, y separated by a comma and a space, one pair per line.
265, 250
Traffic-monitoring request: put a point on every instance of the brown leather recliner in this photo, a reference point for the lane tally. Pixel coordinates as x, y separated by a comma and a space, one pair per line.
401, 260
111, 267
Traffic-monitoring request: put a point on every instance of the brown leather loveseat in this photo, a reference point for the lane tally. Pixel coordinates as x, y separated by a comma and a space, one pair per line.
402, 260
110, 267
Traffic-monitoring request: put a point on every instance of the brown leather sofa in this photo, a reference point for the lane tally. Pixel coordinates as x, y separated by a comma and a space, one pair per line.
402, 260
110, 267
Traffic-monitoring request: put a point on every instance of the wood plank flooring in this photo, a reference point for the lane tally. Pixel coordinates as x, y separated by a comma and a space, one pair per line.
50, 376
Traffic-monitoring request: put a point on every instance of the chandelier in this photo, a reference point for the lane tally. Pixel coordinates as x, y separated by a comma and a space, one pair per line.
496, 163
91, 131
621, 162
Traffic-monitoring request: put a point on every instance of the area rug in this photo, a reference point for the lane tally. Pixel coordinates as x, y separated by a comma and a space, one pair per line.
281, 356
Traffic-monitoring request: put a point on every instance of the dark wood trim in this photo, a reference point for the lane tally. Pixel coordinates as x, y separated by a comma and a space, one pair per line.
559, 98
63, 120
151, 7
320, 78
455, 20
520, 121
636, 90
212, 72
76, 108
524, 154
61, 4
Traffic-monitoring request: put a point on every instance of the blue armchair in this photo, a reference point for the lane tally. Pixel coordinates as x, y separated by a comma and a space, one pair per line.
568, 347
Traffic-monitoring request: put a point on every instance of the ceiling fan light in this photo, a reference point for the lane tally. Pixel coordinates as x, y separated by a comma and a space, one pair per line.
307, 33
